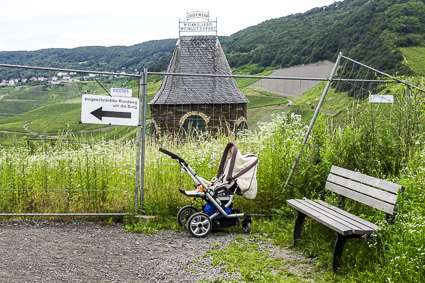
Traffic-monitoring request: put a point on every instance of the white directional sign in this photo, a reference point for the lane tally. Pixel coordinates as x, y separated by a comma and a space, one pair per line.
381, 98
121, 92
100, 109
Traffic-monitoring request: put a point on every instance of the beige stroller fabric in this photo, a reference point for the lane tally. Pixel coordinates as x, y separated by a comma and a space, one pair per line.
241, 169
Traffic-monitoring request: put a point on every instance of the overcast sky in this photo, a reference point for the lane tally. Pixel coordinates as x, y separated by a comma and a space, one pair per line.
39, 24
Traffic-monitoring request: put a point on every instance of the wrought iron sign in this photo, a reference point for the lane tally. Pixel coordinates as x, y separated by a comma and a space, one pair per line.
198, 22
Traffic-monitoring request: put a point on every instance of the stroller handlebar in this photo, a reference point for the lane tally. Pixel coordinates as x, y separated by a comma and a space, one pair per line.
173, 156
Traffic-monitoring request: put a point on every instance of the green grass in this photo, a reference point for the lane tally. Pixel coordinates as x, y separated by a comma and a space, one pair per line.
415, 59
261, 98
49, 119
262, 106
59, 177
150, 226
153, 88
62, 176
333, 103
22, 99
253, 263
262, 115
52, 109
253, 70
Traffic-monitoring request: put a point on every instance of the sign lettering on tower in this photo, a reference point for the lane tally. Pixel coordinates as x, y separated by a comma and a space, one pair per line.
198, 22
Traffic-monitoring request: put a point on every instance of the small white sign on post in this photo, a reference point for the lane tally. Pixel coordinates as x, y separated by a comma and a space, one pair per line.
375, 98
123, 92
100, 109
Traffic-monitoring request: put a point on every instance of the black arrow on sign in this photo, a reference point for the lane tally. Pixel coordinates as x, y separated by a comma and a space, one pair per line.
99, 114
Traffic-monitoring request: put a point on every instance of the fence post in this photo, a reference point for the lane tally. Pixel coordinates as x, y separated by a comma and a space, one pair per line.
313, 120
139, 134
145, 91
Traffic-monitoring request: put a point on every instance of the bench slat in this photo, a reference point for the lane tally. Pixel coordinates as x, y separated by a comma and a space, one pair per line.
299, 205
352, 216
357, 227
363, 189
379, 183
386, 207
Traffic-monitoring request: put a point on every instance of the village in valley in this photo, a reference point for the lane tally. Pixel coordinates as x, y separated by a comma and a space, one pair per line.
59, 78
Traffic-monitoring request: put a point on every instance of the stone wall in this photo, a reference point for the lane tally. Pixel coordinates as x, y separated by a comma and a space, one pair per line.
217, 117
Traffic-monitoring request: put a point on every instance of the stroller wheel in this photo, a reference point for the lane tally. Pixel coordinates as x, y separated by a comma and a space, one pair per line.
184, 213
199, 224
246, 226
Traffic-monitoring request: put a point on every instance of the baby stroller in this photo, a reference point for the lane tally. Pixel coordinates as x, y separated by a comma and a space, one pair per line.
237, 174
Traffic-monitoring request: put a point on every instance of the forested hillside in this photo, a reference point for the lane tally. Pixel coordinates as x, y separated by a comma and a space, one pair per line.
370, 31
116, 58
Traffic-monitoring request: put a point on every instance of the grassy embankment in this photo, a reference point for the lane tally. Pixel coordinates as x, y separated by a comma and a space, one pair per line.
415, 59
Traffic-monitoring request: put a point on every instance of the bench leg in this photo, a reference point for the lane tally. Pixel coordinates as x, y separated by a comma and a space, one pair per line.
338, 249
298, 228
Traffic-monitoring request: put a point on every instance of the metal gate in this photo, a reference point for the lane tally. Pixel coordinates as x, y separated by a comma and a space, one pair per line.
47, 170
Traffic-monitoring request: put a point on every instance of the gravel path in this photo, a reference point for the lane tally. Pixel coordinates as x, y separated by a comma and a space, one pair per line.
42, 251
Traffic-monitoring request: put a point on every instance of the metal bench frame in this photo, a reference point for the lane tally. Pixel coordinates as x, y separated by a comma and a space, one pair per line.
371, 191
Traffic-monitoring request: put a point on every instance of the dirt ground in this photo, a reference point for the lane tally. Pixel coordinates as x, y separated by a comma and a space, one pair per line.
43, 251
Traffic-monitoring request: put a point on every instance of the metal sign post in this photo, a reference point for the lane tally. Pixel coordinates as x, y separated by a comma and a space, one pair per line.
139, 134
141, 144
144, 86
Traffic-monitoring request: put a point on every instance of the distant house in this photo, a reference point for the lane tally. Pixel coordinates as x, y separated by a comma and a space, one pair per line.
185, 103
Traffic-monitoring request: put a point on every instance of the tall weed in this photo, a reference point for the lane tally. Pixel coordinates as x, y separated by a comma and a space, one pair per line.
100, 177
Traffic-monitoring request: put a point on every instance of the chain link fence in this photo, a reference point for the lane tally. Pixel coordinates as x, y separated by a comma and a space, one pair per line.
52, 164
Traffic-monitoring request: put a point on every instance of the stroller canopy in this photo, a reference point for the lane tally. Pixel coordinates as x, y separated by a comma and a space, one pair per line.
239, 168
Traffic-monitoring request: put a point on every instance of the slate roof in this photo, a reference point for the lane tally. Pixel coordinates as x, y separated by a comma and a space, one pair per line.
198, 55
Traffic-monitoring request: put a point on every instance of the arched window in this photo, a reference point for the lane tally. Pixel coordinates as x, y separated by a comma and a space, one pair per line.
242, 126
153, 129
194, 123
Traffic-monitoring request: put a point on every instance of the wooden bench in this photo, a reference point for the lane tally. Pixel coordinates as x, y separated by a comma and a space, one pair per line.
362, 188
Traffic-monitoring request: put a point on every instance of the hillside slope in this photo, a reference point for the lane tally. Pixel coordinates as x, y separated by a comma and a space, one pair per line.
370, 31
114, 58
